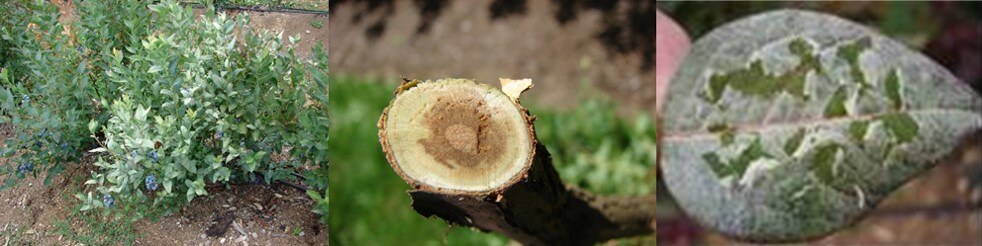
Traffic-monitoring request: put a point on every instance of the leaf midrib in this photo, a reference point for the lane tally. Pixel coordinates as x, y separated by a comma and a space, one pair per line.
757, 127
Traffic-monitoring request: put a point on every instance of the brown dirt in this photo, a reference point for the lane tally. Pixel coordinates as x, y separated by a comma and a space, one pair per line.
568, 49
273, 213
270, 215
292, 24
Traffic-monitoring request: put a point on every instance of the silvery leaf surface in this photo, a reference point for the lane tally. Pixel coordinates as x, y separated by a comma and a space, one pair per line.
789, 125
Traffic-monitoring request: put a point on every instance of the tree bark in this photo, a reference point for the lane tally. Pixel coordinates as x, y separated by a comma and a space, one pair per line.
471, 155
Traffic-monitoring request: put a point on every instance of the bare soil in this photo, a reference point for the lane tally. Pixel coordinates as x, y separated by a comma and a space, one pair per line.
266, 214
291, 24
568, 48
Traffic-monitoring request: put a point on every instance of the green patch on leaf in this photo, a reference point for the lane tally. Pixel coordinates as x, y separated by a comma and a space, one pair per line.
754, 81
893, 89
836, 107
792, 144
753, 152
857, 130
800, 47
739, 165
823, 162
851, 53
717, 165
901, 125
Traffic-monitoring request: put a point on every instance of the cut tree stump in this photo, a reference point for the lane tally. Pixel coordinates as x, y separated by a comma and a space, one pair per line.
470, 154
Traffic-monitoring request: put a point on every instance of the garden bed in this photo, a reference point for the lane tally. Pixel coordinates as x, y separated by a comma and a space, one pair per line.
268, 214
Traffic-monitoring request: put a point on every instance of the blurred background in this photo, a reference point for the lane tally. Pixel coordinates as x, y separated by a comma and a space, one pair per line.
943, 206
592, 64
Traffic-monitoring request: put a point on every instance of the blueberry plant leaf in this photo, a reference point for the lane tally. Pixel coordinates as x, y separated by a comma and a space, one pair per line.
789, 125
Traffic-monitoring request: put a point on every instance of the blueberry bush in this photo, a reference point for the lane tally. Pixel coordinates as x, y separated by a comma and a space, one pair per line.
169, 102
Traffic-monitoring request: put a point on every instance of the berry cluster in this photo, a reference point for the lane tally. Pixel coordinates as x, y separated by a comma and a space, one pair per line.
151, 182
25, 167
108, 200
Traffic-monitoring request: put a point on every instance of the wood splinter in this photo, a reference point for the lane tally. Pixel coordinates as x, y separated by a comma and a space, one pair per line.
470, 153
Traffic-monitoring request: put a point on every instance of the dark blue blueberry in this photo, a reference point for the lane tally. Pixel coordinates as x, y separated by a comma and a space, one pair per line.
133, 154
153, 155
151, 182
256, 179
25, 167
219, 134
38, 143
64, 146
80, 49
108, 200
25, 99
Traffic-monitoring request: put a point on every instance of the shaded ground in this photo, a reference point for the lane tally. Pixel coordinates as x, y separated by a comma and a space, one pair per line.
267, 215
568, 48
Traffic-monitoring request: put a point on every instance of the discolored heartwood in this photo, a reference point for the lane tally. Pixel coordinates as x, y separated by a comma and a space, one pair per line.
470, 154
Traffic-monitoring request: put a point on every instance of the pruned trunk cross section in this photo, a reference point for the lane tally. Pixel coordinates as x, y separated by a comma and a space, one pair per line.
470, 154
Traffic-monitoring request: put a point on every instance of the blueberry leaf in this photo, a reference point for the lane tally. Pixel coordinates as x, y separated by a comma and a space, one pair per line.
824, 118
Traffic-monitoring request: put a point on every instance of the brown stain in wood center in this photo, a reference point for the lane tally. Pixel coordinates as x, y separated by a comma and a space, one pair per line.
463, 133
462, 138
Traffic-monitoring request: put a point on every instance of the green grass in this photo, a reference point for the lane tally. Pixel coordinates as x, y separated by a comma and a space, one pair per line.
14, 235
97, 230
597, 149
591, 146
92, 228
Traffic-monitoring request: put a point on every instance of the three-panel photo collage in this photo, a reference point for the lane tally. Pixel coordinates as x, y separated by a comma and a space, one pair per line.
490, 122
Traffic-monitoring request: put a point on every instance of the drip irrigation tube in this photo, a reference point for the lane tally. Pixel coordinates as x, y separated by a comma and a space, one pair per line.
262, 9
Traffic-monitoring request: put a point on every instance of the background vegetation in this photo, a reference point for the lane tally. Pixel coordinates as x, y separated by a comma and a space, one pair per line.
591, 146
